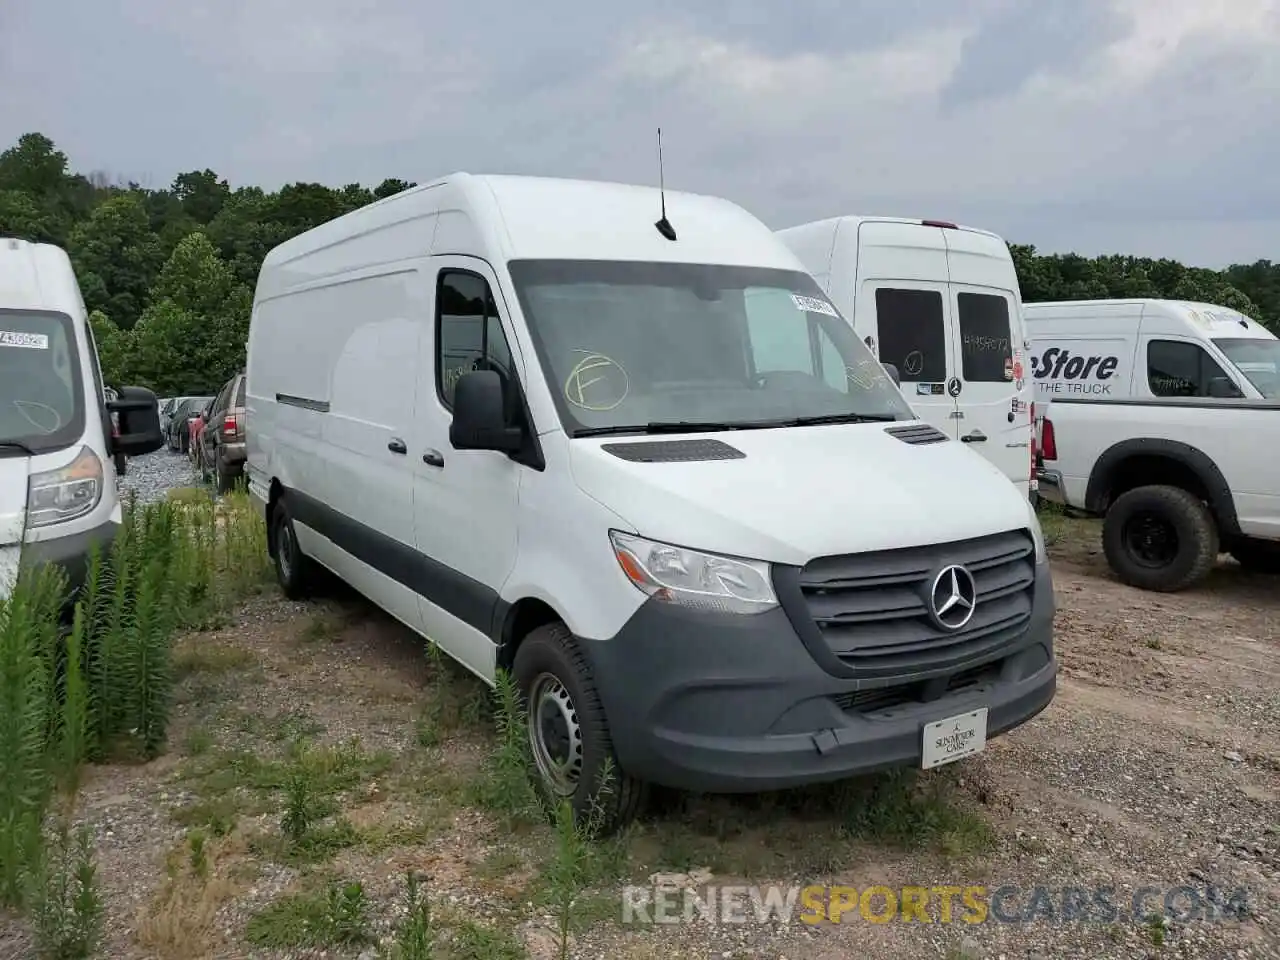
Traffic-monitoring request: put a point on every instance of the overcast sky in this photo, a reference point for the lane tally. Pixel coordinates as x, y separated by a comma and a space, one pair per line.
1136, 126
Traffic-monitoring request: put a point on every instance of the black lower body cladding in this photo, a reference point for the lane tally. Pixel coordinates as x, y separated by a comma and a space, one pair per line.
731, 704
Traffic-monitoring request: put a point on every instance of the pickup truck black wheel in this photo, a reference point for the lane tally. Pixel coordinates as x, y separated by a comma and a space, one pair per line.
572, 753
1258, 556
1160, 538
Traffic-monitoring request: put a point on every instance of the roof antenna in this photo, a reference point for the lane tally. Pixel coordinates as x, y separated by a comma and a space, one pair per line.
664, 225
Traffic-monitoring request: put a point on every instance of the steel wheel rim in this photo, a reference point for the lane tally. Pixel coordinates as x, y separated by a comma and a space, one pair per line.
555, 735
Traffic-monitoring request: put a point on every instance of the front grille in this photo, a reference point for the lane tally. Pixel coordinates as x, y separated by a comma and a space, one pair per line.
872, 608
885, 698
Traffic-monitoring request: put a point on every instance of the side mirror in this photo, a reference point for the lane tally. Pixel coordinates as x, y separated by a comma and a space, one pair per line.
139, 415
1221, 388
892, 370
479, 419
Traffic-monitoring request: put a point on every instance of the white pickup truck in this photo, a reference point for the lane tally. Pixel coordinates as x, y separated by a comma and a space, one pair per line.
1163, 417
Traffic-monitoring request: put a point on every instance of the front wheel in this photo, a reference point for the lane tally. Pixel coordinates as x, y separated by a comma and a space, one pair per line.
1160, 538
572, 751
1257, 556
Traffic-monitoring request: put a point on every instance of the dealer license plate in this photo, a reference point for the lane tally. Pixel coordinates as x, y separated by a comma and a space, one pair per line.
954, 738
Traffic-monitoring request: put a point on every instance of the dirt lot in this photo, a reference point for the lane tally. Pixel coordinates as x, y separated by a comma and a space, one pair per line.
1158, 765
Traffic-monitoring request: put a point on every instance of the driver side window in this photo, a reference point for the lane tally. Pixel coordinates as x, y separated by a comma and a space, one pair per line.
468, 334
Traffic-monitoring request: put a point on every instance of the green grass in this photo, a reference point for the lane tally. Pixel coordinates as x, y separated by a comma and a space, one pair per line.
337, 916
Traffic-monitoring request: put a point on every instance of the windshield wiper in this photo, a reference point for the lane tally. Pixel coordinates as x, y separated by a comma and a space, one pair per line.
15, 445
711, 426
676, 426
837, 418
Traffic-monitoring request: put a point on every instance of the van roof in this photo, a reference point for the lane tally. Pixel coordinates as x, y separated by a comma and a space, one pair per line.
37, 276
1202, 318
851, 220
520, 217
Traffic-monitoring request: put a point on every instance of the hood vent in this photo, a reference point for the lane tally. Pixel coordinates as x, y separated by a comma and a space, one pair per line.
917, 433
673, 451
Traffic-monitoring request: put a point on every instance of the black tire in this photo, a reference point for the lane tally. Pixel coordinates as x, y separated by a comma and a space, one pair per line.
295, 571
548, 663
184, 443
1257, 556
226, 478
1160, 538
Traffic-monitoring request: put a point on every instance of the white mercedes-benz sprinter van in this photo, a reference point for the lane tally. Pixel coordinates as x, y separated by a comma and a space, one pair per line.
650, 470
57, 450
941, 303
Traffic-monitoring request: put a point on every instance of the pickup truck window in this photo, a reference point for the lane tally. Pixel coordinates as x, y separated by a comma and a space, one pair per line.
912, 333
1176, 368
1258, 360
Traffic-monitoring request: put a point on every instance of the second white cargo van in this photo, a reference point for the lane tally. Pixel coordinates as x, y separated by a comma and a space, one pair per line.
941, 303
649, 469
59, 449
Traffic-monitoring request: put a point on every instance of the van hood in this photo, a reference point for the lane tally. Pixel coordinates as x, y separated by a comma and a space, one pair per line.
803, 492
13, 517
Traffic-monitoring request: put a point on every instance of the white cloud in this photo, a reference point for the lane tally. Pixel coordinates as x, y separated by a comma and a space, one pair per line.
1057, 122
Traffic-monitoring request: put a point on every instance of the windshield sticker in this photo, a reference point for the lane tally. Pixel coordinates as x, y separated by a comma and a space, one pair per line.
31, 341
596, 383
868, 374
929, 389
813, 305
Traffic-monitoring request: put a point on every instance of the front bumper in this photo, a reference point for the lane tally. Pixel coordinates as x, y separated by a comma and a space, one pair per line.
733, 704
70, 552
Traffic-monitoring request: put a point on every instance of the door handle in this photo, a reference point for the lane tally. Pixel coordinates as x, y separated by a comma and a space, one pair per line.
397, 446
433, 458
976, 437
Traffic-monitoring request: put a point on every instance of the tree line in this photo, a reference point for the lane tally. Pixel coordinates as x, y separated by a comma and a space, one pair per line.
168, 274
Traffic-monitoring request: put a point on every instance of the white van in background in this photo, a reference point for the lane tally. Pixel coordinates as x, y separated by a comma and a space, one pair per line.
941, 303
649, 469
57, 450
1162, 414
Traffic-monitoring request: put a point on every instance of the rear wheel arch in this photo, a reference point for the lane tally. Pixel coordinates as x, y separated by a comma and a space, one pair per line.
1141, 462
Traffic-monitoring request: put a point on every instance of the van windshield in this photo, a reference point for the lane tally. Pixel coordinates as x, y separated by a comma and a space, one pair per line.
41, 390
631, 346
1258, 360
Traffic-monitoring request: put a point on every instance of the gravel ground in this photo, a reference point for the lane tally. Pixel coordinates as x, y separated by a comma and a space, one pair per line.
1157, 765
152, 476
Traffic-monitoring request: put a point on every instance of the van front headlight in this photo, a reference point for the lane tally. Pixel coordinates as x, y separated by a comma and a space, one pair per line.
55, 496
691, 578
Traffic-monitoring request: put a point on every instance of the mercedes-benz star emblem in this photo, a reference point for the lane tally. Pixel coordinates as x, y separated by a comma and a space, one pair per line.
952, 597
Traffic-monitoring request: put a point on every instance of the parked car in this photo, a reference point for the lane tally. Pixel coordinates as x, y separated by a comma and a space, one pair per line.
177, 431
651, 471
60, 428
195, 428
1162, 413
221, 445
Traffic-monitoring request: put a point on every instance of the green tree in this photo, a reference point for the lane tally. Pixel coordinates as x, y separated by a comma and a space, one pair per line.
116, 256
192, 337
